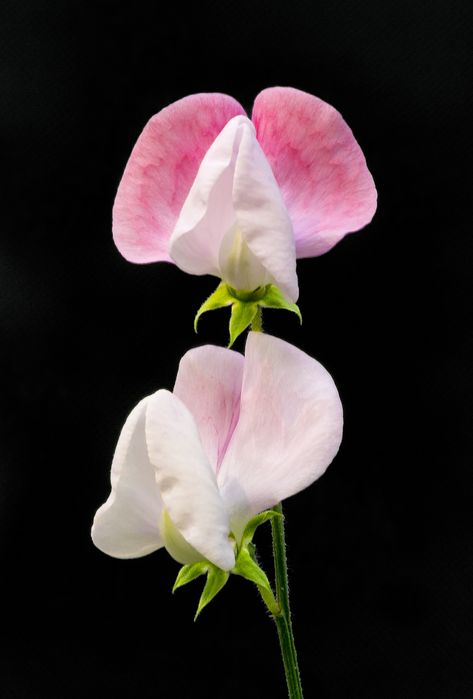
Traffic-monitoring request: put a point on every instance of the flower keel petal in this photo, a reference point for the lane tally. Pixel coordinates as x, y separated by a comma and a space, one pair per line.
262, 217
234, 224
208, 212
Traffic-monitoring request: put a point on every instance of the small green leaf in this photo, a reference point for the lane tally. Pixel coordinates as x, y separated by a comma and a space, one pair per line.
254, 523
257, 322
243, 313
216, 579
275, 299
247, 567
189, 573
220, 298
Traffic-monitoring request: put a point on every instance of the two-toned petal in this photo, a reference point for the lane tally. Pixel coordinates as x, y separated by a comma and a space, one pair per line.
289, 430
319, 167
127, 525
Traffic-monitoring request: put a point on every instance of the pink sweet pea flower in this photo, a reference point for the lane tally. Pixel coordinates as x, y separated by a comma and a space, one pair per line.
216, 193
236, 436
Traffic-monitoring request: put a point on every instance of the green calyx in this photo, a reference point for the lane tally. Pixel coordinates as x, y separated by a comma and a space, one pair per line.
246, 566
216, 580
246, 306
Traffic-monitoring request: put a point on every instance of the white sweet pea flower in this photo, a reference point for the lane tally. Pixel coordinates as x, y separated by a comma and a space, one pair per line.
236, 436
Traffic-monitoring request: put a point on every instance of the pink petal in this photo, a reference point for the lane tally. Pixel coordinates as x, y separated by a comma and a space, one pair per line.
289, 430
160, 172
209, 384
319, 166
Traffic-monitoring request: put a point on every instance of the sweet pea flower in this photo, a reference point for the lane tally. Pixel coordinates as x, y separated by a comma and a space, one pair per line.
236, 436
217, 193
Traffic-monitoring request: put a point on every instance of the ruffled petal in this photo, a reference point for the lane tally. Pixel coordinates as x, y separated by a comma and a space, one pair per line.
127, 525
186, 480
319, 166
209, 384
290, 428
161, 170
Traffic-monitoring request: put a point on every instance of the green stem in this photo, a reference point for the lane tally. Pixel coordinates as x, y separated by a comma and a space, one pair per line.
283, 621
283, 615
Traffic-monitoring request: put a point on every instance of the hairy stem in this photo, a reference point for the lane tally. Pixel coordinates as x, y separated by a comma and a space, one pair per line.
283, 616
283, 620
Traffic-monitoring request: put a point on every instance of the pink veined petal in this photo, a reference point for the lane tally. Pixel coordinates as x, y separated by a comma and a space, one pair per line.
186, 479
319, 166
127, 525
290, 428
208, 382
262, 217
160, 172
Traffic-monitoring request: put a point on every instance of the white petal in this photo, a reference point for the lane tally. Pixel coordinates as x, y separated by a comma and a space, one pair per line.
262, 217
127, 525
290, 428
208, 211
209, 384
233, 223
186, 480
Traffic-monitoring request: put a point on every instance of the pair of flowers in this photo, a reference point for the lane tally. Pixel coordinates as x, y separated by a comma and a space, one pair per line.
216, 193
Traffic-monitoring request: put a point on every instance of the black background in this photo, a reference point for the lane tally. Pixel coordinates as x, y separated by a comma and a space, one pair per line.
381, 547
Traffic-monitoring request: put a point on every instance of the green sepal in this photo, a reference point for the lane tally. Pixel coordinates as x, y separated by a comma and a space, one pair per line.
216, 580
252, 550
242, 315
220, 298
254, 523
247, 568
273, 298
246, 306
243, 295
189, 573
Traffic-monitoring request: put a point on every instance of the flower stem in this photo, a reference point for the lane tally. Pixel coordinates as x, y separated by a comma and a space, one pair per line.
283, 616
283, 620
